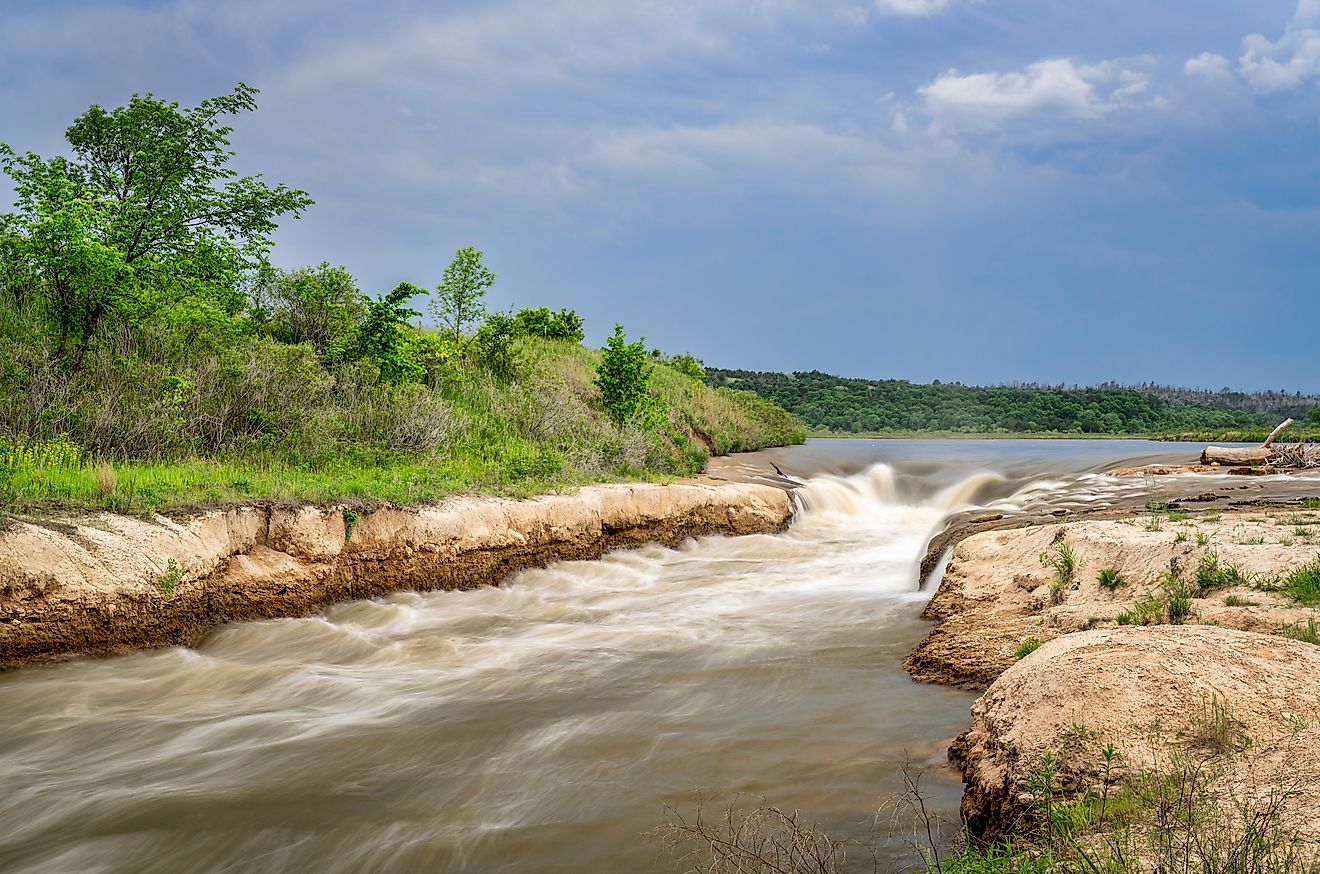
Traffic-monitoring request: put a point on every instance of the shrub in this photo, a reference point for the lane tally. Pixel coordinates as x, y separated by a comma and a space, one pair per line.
540, 322
689, 366
623, 377
320, 306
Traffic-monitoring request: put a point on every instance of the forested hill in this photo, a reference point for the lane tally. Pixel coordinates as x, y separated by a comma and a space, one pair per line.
841, 404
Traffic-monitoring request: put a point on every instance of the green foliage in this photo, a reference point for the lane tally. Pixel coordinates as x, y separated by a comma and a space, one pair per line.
689, 366
351, 518
27, 452
1303, 584
320, 306
1061, 559
382, 335
494, 346
458, 301
1306, 633
1027, 647
1211, 575
1238, 601
564, 324
1314, 415
622, 378
170, 580
1177, 599
1110, 579
145, 215
1148, 610
840, 404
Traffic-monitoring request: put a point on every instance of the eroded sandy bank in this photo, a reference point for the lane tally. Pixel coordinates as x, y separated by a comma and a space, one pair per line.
1146, 687
112, 583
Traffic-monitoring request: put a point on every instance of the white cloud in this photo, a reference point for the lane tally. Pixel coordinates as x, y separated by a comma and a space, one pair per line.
1291, 59
1057, 87
912, 8
1208, 65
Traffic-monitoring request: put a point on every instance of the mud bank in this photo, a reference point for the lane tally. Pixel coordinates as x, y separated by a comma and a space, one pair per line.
110, 584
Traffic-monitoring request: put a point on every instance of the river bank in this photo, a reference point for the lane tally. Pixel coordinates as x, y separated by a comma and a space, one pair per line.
1122, 655
110, 583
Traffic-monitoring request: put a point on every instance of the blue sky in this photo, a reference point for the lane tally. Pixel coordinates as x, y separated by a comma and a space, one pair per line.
974, 190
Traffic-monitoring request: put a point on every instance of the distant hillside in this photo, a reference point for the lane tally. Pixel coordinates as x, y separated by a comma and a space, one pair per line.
841, 404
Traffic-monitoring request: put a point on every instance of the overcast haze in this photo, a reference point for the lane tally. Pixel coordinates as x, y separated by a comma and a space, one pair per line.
974, 190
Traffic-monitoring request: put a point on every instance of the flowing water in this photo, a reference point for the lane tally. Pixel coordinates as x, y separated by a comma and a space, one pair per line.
542, 725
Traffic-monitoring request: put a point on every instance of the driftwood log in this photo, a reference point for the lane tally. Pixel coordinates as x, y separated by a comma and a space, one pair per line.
1290, 455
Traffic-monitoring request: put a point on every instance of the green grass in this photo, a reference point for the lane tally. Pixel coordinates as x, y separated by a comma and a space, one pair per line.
1177, 600
1146, 611
1061, 559
516, 439
1027, 647
1303, 584
1307, 633
1237, 601
1110, 579
1303, 432
1211, 575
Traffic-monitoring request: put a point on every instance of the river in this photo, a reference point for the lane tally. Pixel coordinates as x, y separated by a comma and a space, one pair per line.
542, 726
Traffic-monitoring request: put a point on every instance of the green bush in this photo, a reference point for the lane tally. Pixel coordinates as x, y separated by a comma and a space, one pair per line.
565, 324
623, 377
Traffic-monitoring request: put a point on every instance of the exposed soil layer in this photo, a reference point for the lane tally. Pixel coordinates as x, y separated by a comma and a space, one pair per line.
110, 584
1151, 693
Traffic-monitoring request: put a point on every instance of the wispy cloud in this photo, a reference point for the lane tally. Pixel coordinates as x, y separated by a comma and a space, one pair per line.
912, 8
1208, 65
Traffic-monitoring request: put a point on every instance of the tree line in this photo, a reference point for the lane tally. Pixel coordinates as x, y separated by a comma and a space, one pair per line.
849, 405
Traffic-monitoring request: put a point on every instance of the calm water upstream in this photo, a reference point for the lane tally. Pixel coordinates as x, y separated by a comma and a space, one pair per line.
543, 725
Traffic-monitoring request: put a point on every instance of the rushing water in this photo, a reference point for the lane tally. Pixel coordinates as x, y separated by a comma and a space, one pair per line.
539, 726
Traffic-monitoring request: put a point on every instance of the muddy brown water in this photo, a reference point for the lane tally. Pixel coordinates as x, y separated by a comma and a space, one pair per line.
542, 726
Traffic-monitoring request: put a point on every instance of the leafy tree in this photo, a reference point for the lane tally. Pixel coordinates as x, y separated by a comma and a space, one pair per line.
145, 211
320, 306
623, 376
382, 335
1315, 415
458, 298
565, 324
